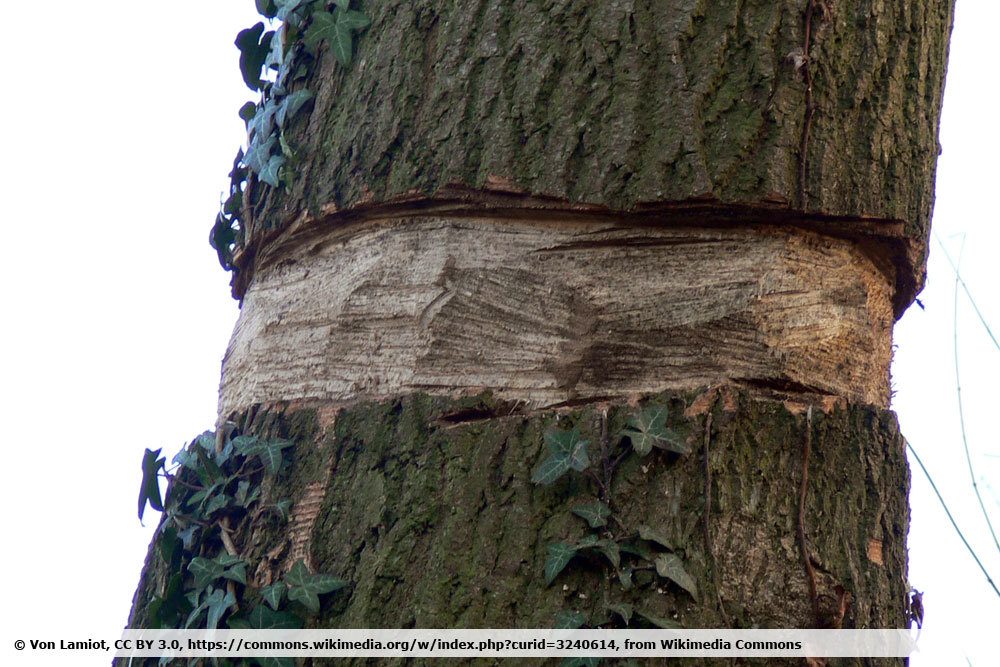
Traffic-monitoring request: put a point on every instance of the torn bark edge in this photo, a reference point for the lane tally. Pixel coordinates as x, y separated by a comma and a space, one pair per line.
884, 241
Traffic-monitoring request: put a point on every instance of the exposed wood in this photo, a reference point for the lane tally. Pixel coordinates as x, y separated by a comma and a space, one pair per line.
555, 311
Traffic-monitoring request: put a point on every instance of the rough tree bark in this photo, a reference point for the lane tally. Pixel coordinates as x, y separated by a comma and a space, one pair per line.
511, 216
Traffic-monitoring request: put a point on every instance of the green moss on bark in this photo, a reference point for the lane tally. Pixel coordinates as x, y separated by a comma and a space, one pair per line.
429, 511
627, 103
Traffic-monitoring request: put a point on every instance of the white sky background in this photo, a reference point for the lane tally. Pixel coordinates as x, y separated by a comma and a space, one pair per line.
120, 127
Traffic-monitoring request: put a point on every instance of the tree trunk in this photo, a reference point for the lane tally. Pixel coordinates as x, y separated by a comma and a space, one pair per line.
516, 218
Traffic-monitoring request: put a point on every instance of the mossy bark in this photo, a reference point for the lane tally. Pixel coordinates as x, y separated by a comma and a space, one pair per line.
632, 104
427, 507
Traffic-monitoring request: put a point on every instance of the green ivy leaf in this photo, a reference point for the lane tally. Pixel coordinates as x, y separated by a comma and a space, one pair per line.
221, 238
623, 609
649, 429
204, 571
291, 105
268, 451
245, 495
658, 621
247, 112
559, 556
273, 594
607, 547
187, 536
270, 174
167, 542
254, 45
595, 514
284, 508
653, 535
216, 503
224, 566
286, 7
306, 588
149, 488
570, 620
671, 567
625, 578
566, 451
611, 551
337, 29
217, 604
263, 618
266, 8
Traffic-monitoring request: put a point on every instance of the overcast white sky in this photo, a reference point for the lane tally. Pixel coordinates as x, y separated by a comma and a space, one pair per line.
120, 125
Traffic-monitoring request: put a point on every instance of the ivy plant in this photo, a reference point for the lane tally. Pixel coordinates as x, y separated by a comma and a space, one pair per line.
624, 550
215, 487
275, 64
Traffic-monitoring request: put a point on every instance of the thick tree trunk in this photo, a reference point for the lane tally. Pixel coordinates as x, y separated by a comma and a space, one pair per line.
519, 216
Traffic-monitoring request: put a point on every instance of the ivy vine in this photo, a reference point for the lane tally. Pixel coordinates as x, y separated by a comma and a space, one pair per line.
623, 549
214, 491
275, 62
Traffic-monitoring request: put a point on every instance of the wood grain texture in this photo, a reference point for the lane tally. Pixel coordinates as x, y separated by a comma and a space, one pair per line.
552, 311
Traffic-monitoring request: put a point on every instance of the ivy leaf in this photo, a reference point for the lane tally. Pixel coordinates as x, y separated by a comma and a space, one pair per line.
208, 470
268, 451
149, 488
623, 609
261, 126
595, 514
221, 238
286, 7
168, 542
353, 20
671, 567
566, 451
262, 618
273, 594
306, 588
658, 621
270, 174
276, 53
649, 429
265, 8
217, 603
653, 535
607, 547
284, 508
254, 45
625, 578
244, 495
291, 105
247, 112
559, 556
217, 502
187, 536
337, 29
611, 551
570, 620
224, 566
204, 571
